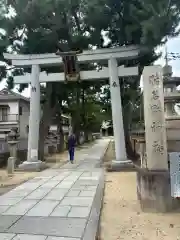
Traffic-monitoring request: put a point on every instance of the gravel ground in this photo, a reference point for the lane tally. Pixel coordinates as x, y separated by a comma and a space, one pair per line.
122, 217
9, 182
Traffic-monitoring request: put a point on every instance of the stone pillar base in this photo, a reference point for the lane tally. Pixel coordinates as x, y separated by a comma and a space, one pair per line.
154, 191
32, 166
118, 166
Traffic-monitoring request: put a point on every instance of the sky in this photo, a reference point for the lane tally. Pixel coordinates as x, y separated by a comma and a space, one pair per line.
173, 45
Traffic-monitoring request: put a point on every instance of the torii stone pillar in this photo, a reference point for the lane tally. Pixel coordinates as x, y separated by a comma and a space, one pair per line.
32, 162
118, 127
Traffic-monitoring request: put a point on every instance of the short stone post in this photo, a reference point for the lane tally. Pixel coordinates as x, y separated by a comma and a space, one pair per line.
12, 142
10, 166
101, 134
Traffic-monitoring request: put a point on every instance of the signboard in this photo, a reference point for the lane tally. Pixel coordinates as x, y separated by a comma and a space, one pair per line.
71, 69
155, 129
174, 159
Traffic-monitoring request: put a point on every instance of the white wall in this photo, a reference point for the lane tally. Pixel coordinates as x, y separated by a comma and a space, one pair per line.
2, 135
13, 109
24, 119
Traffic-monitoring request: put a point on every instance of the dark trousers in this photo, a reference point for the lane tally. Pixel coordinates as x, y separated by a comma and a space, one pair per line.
71, 154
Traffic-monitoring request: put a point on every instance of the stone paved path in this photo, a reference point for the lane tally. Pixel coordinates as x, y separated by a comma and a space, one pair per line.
59, 204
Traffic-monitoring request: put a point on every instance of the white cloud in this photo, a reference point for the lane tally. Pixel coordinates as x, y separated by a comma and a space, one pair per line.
25, 93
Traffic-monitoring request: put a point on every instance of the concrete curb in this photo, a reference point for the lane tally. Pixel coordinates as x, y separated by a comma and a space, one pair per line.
92, 226
104, 153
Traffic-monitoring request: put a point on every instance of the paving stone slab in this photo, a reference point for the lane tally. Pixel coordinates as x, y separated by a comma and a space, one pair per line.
87, 193
87, 182
58, 178
3, 209
62, 238
17, 193
90, 188
21, 208
79, 212
89, 178
77, 201
56, 194
4, 201
61, 175
6, 236
49, 173
29, 237
73, 193
61, 211
86, 174
65, 184
37, 180
43, 209
43, 178
7, 221
50, 184
50, 226
74, 174
39, 193
78, 187
72, 179
28, 186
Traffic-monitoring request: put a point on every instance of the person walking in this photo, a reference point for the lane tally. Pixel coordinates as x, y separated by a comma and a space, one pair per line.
71, 146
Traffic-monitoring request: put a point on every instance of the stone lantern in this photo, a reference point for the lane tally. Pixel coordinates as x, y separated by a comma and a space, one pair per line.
171, 98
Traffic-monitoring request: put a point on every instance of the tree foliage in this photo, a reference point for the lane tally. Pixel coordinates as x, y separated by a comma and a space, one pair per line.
44, 26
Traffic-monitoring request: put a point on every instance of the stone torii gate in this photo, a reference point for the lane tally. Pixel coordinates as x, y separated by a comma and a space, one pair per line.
113, 72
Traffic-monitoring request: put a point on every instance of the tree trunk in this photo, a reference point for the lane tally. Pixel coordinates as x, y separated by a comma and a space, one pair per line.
76, 119
43, 132
61, 145
131, 154
86, 135
84, 115
60, 132
45, 120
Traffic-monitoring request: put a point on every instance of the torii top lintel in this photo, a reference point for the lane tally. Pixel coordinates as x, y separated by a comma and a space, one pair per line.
127, 52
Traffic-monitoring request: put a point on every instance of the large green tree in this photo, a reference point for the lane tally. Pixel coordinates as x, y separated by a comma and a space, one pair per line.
46, 25
3, 37
146, 23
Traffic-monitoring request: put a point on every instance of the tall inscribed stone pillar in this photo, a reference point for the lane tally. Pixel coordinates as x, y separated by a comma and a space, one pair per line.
153, 181
156, 140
